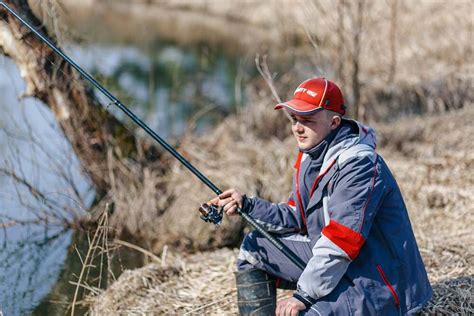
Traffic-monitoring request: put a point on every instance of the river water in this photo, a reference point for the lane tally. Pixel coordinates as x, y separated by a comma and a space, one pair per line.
165, 85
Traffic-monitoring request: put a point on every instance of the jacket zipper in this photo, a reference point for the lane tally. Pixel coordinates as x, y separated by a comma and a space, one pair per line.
298, 195
319, 177
297, 184
389, 285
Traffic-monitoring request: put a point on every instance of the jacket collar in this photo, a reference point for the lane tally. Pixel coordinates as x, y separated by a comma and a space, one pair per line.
320, 149
358, 134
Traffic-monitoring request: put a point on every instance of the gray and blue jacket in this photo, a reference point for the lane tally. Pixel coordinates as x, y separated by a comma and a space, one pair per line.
347, 204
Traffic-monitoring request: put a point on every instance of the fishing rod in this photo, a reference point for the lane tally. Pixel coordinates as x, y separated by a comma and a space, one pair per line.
209, 213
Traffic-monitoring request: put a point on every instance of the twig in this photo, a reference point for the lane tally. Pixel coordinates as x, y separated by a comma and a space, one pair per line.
207, 305
163, 256
264, 71
140, 249
89, 257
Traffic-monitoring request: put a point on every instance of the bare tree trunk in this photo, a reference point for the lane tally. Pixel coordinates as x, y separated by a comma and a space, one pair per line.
393, 39
341, 43
90, 129
357, 24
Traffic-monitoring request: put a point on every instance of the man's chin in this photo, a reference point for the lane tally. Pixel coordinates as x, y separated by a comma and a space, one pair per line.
303, 147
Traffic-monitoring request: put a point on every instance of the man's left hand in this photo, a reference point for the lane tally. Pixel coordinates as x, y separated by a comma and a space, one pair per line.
289, 307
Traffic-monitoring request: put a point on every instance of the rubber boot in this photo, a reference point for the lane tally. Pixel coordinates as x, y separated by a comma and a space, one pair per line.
256, 293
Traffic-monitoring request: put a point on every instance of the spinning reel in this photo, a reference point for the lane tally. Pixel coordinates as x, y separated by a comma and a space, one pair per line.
211, 213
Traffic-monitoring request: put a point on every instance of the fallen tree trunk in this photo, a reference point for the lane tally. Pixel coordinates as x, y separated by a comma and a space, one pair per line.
92, 132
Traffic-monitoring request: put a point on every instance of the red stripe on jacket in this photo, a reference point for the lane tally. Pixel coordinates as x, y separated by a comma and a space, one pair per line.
345, 238
389, 285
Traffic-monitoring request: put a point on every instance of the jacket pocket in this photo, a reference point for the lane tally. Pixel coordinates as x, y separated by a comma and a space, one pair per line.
389, 285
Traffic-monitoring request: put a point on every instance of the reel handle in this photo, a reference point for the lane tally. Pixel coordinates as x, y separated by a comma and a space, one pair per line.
211, 213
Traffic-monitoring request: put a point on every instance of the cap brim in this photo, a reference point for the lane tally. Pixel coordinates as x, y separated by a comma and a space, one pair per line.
298, 106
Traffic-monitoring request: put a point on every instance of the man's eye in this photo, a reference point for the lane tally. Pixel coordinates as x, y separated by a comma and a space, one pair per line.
294, 120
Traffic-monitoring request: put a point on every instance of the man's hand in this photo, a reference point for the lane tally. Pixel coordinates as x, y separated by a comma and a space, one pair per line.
229, 199
289, 307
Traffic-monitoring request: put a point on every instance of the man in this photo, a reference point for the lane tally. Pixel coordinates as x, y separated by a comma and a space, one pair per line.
345, 218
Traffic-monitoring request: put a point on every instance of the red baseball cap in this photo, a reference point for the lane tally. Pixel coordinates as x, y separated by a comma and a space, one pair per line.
313, 95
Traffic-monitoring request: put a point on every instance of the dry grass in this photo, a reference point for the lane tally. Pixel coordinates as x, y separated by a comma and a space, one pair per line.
199, 284
181, 285
204, 284
432, 159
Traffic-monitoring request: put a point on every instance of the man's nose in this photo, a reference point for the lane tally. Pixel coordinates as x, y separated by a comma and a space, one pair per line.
299, 127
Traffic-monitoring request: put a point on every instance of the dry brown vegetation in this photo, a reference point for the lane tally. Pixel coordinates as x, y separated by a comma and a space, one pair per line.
239, 145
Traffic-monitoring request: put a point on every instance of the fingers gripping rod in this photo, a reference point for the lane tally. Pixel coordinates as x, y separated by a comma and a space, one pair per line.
280, 246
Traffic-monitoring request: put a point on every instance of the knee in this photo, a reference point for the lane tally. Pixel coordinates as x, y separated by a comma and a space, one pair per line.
249, 242
248, 257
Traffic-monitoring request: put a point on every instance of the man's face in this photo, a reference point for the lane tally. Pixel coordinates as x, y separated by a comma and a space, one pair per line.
310, 130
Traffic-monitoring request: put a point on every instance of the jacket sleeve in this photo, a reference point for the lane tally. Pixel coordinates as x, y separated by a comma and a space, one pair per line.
357, 192
278, 218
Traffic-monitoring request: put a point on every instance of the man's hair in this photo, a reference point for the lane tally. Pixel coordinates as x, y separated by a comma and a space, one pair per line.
330, 114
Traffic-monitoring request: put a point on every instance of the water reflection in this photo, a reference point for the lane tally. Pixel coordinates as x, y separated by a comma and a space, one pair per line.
30, 267
164, 85
41, 190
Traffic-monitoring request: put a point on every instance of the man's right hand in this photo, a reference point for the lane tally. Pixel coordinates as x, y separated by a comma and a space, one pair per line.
230, 200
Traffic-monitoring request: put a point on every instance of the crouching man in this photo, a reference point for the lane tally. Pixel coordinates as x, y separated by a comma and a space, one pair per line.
345, 218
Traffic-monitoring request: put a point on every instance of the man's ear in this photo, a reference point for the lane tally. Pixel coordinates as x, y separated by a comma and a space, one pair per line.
335, 121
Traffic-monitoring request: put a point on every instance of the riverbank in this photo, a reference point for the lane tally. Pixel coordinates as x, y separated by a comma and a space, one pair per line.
233, 26
432, 159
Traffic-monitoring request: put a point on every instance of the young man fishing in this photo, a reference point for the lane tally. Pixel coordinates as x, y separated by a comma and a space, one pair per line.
345, 218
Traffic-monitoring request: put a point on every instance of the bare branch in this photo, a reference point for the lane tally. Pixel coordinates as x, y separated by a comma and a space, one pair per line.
264, 71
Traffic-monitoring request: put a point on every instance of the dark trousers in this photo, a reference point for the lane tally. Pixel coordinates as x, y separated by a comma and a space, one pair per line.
257, 252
